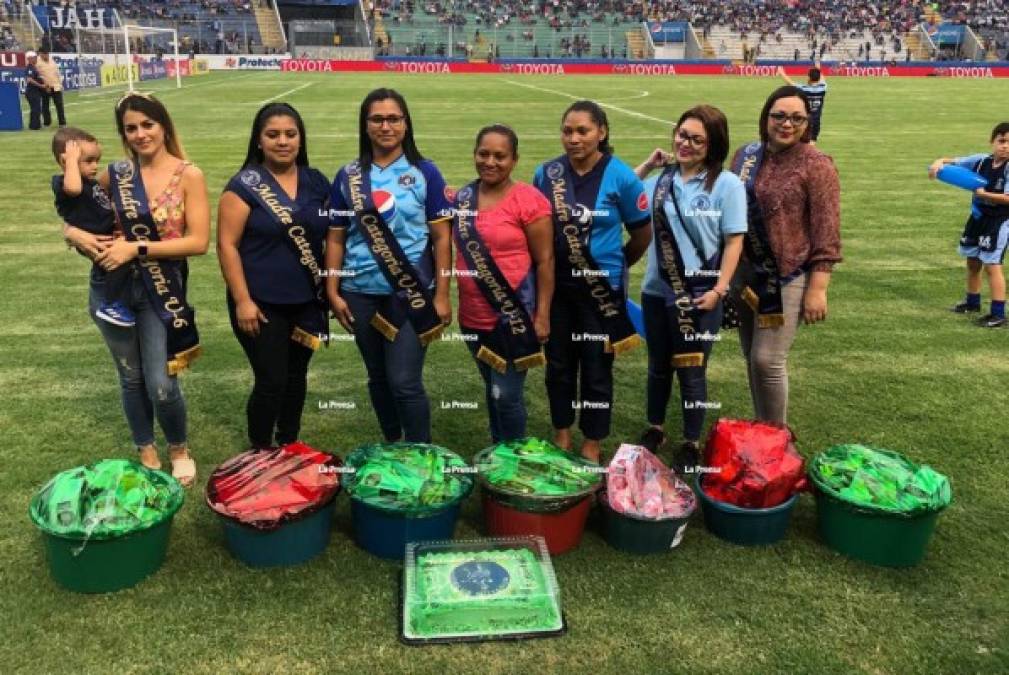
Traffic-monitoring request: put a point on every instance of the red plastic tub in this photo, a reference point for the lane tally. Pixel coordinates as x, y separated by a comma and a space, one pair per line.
562, 529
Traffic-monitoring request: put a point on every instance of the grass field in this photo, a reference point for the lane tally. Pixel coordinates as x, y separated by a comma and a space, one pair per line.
890, 367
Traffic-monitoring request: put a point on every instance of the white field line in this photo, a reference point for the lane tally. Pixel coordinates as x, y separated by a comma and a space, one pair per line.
289, 91
632, 113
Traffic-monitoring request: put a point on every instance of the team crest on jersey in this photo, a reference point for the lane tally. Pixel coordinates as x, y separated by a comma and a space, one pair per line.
465, 194
124, 168
101, 198
385, 202
555, 170
407, 180
251, 178
642, 202
700, 203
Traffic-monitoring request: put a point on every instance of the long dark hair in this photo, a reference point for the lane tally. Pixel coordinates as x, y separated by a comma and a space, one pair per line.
155, 109
268, 111
717, 129
364, 152
788, 91
598, 116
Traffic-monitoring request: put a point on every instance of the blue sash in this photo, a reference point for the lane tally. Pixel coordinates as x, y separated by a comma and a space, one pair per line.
311, 328
765, 300
165, 280
411, 300
514, 328
677, 288
572, 243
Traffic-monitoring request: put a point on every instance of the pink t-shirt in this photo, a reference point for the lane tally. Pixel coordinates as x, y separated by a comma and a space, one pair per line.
503, 230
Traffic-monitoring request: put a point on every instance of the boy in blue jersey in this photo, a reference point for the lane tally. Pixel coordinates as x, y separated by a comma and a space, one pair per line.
82, 202
986, 233
816, 91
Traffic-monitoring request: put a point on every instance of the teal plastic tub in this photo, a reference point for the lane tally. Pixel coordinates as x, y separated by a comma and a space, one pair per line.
292, 543
746, 527
640, 535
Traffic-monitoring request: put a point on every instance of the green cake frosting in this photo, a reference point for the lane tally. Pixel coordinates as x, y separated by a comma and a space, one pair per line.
467, 593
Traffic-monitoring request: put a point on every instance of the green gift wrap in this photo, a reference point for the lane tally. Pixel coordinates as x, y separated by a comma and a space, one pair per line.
104, 500
533, 467
411, 478
879, 480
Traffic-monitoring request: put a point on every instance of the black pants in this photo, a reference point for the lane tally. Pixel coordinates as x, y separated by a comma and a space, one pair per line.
280, 367
579, 371
35, 109
57, 99
664, 339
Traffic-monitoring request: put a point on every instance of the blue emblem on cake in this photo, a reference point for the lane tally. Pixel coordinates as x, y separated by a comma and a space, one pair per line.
480, 578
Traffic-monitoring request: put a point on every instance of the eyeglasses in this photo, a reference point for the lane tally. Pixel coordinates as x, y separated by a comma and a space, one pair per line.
796, 119
694, 140
391, 120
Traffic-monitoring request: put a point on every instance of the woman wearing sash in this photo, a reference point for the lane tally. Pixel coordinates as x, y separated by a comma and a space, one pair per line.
388, 260
505, 262
698, 221
160, 200
594, 196
272, 220
791, 246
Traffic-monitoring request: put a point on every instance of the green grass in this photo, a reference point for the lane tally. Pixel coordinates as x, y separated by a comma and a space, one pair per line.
889, 367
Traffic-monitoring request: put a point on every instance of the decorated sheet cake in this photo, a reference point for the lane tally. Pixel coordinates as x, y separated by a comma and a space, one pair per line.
479, 589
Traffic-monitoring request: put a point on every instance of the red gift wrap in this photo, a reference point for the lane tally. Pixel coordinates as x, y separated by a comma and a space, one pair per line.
752, 464
268, 487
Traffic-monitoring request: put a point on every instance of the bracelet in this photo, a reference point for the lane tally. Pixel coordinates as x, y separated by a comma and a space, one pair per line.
722, 293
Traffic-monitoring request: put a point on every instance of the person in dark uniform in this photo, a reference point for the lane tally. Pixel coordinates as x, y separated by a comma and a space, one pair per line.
35, 91
986, 233
816, 93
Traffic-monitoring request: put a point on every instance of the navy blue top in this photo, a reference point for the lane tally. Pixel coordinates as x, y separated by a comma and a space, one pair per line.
33, 73
273, 272
90, 211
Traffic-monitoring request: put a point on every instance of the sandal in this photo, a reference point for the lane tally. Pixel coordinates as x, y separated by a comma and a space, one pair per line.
149, 451
183, 467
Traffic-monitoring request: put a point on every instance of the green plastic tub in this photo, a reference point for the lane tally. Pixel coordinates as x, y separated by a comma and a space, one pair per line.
105, 565
875, 537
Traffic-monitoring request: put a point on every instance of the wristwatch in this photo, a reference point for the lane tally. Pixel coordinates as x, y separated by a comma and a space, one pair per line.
142, 251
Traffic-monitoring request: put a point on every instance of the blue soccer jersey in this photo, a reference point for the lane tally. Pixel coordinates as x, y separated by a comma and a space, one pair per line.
614, 198
710, 216
408, 197
816, 93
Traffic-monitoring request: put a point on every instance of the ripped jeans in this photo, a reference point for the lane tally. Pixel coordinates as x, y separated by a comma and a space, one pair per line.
506, 406
141, 354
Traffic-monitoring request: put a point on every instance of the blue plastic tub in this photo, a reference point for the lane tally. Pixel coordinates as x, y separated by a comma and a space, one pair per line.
386, 533
746, 527
290, 544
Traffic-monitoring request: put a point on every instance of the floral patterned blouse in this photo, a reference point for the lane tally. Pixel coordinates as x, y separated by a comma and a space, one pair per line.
169, 207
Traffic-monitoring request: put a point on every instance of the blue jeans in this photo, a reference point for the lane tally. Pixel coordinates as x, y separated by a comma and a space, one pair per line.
395, 373
141, 355
664, 338
506, 406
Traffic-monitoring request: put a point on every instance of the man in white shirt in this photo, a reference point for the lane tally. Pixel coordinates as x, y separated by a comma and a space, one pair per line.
50, 73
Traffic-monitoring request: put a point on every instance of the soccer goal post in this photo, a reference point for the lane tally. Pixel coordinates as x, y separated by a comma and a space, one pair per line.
119, 39
129, 30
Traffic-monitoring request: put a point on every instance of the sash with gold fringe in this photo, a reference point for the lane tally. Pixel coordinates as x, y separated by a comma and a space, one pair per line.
311, 328
571, 238
411, 300
515, 325
677, 287
765, 300
165, 279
